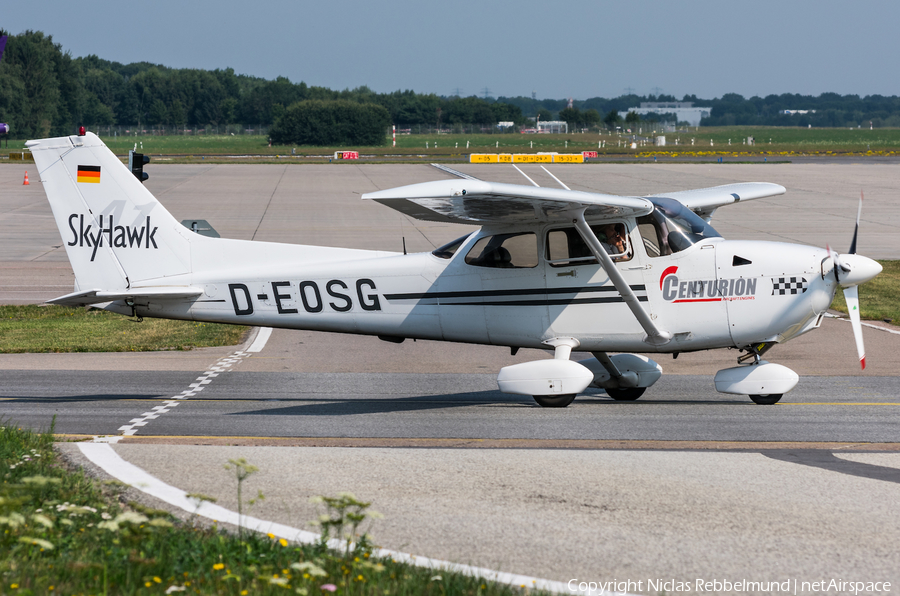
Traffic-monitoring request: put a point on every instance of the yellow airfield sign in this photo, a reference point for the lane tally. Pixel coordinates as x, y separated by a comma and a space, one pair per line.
526, 158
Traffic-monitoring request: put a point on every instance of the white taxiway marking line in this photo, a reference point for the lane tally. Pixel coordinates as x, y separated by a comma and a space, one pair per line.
261, 338
103, 456
867, 325
198, 385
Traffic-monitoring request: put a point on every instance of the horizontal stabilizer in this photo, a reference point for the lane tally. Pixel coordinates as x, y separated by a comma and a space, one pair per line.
704, 201
477, 202
99, 296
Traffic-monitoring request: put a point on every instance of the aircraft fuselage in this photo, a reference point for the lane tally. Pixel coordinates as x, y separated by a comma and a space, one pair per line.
716, 293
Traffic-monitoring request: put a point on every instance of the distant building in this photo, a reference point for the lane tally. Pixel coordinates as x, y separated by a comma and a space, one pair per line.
684, 110
554, 127
792, 112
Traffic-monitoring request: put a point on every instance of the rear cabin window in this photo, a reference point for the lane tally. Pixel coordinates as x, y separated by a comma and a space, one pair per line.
565, 247
505, 251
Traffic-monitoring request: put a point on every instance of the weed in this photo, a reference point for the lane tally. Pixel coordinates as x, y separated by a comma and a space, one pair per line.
59, 534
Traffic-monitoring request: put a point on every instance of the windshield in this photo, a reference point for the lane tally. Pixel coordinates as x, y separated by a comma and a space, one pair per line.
671, 227
448, 250
680, 227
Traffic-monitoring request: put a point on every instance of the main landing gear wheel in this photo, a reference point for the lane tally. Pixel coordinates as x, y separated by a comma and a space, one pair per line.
626, 394
766, 400
554, 401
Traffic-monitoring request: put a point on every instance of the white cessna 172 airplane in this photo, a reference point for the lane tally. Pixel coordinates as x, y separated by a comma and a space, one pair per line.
549, 268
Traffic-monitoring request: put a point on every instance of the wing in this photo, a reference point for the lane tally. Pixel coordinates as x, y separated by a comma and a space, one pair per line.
479, 202
705, 201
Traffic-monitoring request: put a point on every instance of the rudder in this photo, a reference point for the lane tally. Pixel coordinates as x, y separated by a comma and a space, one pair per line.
115, 232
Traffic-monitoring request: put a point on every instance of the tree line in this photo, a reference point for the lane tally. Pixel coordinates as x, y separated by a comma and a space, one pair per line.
825, 110
45, 91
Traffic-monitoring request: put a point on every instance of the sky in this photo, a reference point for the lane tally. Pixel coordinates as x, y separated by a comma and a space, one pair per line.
578, 49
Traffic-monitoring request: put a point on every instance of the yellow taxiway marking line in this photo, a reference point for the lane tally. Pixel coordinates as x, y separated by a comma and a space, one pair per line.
463, 443
199, 399
841, 403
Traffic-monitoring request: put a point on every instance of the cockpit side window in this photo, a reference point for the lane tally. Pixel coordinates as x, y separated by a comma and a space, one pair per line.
505, 251
566, 247
448, 250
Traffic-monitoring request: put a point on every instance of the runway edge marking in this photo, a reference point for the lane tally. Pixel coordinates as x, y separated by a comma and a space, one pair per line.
870, 325
103, 456
262, 336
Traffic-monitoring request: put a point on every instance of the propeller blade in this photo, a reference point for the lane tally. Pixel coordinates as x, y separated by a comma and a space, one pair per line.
851, 297
835, 261
856, 230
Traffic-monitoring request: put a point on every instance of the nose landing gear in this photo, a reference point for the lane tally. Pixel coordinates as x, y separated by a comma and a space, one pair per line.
765, 382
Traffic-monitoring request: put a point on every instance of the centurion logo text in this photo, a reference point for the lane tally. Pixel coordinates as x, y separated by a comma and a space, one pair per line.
707, 290
115, 236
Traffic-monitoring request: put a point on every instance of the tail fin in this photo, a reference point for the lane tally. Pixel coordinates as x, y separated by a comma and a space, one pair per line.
116, 234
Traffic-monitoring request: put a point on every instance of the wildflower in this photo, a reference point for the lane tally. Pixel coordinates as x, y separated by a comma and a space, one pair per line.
283, 542
157, 580
37, 541
309, 569
173, 589
328, 587
436, 578
219, 566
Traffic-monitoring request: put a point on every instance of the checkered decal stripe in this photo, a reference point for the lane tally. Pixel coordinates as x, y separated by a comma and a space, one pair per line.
789, 285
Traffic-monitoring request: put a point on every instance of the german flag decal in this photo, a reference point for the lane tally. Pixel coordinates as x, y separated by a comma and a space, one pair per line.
89, 174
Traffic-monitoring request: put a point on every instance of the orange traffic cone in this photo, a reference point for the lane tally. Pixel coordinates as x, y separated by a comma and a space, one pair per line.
26, 183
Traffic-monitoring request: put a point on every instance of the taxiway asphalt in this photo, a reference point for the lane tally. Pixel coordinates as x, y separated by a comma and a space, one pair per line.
684, 483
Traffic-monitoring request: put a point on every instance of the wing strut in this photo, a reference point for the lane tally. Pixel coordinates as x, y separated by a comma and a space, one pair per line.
655, 336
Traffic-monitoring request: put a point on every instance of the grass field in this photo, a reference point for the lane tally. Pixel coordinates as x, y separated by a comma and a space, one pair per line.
777, 142
879, 299
34, 328
63, 533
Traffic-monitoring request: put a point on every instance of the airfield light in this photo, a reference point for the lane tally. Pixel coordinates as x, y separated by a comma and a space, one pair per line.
80, 131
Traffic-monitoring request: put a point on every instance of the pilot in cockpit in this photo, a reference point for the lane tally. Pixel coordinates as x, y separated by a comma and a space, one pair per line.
615, 239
